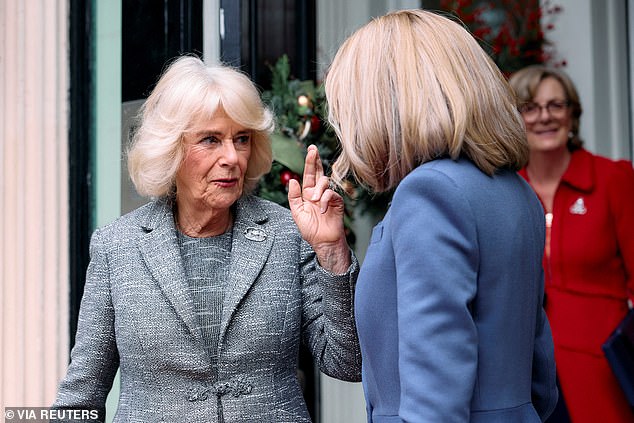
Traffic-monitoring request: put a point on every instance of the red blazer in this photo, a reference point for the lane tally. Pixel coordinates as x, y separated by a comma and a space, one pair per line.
589, 278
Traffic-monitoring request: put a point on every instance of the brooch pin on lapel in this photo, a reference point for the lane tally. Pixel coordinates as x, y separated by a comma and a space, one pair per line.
578, 207
255, 234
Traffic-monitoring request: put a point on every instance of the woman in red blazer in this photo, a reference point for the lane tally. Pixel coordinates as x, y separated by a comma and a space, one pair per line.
589, 252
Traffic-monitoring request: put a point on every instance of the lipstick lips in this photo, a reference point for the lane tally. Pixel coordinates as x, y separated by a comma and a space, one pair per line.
225, 182
547, 131
541, 130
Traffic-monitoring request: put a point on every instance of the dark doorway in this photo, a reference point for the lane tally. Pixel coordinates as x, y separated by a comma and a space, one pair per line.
153, 33
80, 139
276, 27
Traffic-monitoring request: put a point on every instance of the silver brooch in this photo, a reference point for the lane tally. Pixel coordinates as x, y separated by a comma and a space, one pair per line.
578, 207
255, 234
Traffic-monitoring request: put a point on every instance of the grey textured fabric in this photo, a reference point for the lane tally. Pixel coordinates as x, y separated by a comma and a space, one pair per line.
137, 314
207, 268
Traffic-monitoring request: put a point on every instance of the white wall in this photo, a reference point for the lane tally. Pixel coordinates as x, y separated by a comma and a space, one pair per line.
336, 20
591, 35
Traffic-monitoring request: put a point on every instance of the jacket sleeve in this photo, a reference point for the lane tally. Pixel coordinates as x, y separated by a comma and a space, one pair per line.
328, 325
622, 203
544, 387
94, 358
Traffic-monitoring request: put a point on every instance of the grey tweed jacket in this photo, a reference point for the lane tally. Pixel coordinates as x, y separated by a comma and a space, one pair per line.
137, 314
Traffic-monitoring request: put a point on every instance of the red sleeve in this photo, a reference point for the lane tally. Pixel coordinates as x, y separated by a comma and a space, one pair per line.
622, 202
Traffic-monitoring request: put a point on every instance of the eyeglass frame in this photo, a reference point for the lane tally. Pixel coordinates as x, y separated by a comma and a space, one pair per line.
557, 112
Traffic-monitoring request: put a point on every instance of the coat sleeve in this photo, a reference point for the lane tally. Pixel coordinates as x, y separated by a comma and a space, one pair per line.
622, 203
94, 358
543, 387
438, 339
328, 325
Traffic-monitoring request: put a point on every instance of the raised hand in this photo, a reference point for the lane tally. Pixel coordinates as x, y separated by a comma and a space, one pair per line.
318, 212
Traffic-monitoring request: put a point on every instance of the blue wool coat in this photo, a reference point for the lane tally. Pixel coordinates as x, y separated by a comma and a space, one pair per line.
449, 302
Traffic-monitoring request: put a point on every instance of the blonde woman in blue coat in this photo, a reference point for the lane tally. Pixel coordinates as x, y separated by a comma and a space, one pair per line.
449, 298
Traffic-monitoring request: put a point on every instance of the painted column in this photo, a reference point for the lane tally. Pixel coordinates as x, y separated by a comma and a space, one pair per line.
34, 270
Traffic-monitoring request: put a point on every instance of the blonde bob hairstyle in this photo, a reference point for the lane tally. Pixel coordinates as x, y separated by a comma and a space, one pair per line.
189, 91
413, 86
525, 83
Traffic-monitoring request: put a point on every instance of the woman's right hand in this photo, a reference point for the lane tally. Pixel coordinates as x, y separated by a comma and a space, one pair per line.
318, 212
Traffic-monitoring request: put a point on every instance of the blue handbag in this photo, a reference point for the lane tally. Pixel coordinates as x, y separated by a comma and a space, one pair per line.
619, 351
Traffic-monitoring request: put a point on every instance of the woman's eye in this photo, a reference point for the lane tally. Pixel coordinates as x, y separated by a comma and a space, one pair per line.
242, 140
209, 140
528, 107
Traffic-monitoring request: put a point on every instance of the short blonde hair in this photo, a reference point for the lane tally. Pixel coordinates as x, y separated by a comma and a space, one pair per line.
526, 81
189, 91
412, 86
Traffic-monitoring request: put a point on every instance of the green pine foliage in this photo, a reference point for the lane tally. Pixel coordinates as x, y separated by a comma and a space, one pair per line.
300, 110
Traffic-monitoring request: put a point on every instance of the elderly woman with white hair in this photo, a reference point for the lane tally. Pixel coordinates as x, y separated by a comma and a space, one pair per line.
202, 296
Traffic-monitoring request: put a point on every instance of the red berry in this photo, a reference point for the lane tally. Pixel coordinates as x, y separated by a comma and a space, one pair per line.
314, 123
286, 176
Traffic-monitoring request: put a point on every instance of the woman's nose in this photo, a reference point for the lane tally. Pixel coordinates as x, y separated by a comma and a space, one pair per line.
544, 114
229, 155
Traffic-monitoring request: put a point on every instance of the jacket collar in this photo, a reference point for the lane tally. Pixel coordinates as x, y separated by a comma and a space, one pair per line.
159, 247
580, 174
252, 242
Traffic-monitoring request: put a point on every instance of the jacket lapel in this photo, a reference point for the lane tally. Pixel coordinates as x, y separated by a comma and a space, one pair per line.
252, 242
161, 252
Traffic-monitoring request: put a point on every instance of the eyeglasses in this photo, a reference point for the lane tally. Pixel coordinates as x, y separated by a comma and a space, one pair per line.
531, 111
